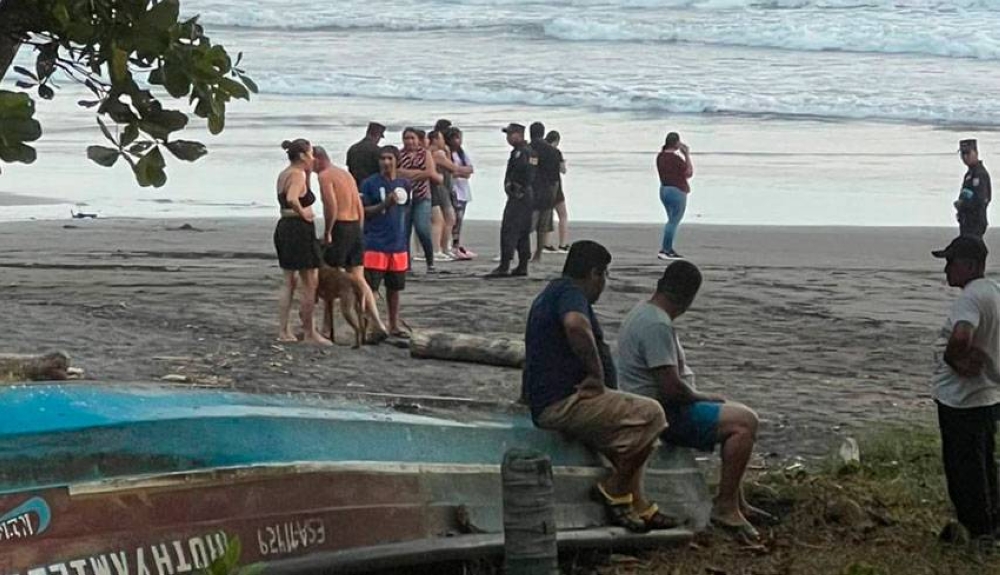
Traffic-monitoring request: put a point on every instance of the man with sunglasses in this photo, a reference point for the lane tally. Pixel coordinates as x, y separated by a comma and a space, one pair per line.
976, 193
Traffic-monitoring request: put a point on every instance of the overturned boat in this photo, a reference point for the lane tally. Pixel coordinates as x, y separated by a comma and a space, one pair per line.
151, 480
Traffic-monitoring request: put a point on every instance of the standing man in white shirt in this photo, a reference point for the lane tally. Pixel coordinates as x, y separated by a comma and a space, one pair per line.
966, 385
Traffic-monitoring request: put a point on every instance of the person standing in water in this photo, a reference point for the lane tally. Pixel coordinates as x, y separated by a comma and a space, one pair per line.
675, 169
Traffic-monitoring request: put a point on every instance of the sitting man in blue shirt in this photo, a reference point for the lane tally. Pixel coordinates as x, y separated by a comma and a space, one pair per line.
569, 383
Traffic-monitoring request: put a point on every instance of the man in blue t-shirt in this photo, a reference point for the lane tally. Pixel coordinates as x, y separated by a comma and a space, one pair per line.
569, 383
384, 196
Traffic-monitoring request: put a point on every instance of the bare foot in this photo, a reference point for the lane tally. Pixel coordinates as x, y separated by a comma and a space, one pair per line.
287, 337
317, 339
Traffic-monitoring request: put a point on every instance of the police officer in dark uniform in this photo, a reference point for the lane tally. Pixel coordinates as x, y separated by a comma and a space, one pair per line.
515, 229
976, 192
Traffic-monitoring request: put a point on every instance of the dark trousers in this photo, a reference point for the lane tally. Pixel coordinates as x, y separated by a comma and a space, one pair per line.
972, 222
515, 233
967, 447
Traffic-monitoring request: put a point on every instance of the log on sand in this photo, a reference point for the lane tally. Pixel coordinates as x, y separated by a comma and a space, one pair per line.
503, 351
16, 367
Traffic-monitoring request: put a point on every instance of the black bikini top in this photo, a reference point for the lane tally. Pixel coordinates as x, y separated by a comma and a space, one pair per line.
306, 200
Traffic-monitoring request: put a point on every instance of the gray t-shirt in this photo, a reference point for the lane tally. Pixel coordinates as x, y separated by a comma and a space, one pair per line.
979, 305
647, 340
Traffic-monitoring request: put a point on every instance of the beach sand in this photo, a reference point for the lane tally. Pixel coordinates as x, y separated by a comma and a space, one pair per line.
824, 331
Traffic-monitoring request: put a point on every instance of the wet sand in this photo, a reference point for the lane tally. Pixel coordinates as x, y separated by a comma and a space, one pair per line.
825, 331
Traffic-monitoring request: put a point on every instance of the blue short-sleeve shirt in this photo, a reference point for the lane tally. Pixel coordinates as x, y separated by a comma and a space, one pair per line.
551, 369
385, 232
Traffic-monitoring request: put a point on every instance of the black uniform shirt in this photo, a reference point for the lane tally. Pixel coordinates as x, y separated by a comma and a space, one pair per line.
520, 176
977, 179
362, 160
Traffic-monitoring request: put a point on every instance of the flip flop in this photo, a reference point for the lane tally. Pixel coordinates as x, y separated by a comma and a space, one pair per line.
742, 530
400, 334
655, 519
619, 510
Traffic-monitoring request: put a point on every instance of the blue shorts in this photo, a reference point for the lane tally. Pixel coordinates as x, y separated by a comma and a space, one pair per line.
693, 425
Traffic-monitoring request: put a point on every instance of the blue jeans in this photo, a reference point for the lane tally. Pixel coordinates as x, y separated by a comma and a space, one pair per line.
420, 221
674, 201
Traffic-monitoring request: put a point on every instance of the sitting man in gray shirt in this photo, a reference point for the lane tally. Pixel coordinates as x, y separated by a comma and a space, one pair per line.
652, 363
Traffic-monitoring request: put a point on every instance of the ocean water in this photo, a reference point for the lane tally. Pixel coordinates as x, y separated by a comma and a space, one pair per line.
797, 111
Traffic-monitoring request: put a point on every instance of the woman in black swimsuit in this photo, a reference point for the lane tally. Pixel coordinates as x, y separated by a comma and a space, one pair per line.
296, 243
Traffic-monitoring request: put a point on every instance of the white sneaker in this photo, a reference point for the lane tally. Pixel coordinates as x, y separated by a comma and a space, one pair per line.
443, 257
418, 258
497, 258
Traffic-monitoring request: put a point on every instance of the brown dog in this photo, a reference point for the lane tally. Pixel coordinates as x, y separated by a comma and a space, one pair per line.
335, 283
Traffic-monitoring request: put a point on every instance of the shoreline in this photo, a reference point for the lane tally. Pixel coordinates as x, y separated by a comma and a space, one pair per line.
37, 201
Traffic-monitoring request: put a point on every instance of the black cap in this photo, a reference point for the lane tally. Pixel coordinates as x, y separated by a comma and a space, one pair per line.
516, 128
967, 145
964, 248
375, 127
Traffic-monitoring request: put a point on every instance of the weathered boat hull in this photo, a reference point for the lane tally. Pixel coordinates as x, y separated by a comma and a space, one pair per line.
110, 481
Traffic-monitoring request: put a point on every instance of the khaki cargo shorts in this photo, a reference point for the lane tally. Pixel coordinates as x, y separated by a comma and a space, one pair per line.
615, 423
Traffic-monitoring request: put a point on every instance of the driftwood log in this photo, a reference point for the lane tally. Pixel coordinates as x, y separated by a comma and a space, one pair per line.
504, 352
51, 366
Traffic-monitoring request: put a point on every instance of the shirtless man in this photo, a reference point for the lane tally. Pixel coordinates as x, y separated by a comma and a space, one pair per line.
344, 217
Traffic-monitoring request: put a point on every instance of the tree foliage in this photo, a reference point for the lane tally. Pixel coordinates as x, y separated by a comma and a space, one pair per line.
131, 55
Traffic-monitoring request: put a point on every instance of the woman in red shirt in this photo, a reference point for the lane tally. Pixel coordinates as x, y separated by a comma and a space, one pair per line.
675, 168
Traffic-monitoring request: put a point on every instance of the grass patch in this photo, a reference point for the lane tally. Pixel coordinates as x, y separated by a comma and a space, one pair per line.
881, 517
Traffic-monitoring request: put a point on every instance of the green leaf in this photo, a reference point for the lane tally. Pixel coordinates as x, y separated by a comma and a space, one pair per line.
149, 169
118, 111
234, 88
250, 84
17, 152
103, 155
176, 80
216, 123
46, 92
140, 147
20, 130
129, 135
61, 14
163, 15
233, 551
161, 123
25, 72
186, 150
88, 103
15, 105
106, 132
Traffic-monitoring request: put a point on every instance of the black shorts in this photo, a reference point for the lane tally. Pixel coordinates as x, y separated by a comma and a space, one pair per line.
394, 281
440, 196
296, 244
348, 247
